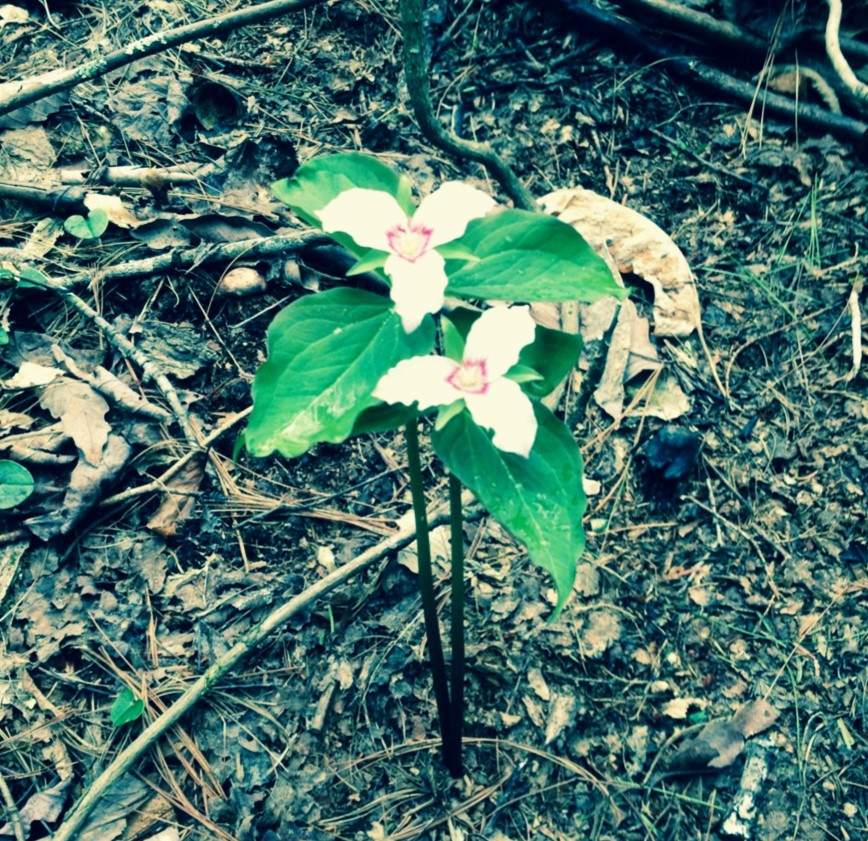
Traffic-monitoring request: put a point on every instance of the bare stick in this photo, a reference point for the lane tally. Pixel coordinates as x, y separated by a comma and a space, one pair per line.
31, 90
201, 255
252, 639
416, 71
833, 47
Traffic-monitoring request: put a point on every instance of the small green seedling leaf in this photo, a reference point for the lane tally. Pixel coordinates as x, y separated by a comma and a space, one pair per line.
126, 708
16, 483
91, 227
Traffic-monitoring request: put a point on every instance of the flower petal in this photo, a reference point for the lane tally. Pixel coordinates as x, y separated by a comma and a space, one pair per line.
417, 287
498, 336
422, 379
507, 411
448, 210
366, 215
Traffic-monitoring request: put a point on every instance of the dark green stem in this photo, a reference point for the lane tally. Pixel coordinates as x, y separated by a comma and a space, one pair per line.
456, 722
426, 588
416, 72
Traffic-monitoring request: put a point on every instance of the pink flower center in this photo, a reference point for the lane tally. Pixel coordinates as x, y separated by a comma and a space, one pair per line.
470, 377
409, 242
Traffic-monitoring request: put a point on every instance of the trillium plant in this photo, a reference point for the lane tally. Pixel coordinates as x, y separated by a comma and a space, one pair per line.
387, 349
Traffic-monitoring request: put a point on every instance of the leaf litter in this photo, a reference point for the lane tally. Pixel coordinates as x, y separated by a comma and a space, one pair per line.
739, 582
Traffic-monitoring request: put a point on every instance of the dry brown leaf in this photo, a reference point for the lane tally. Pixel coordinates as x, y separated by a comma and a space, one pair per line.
81, 412
561, 715
603, 628
179, 498
638, 247
721, 741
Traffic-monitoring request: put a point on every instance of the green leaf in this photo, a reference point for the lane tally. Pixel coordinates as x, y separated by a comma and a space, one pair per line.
326, 354
317, 182
383, 417
22, 276
453, 336
92, 227
126, 708
16, 483
552, 354
526, 256
539, 499
369, 262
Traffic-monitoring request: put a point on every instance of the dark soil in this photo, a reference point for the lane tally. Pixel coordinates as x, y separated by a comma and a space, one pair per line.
744, 577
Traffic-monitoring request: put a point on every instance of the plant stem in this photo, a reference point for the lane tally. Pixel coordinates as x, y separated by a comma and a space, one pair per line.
426, 588
456, 722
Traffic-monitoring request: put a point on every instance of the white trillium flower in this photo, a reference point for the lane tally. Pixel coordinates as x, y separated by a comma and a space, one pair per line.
374, 219
493, 346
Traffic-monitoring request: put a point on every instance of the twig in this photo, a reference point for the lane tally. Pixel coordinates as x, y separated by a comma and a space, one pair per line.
416, 71
32, 90
855, 328
150, 370
744, 811
251, 640
833, 48
202, 255
624, 32
159, 484
11, 810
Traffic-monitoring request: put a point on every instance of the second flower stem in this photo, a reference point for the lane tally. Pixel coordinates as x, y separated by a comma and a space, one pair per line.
456, 723
429, 603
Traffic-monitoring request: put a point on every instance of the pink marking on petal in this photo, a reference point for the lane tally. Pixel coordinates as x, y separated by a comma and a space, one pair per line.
470, 377
410, 242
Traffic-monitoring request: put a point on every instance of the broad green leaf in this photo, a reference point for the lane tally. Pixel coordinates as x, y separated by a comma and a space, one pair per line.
22, 276
539, 499
16, 483
526, 256
91, 227
552, 354
317, 182
326, 354
126, 708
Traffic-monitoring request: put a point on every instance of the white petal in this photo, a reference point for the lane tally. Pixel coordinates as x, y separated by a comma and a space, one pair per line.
505, 409
421, 379
498, 336
366, 215
448, 210
417, 287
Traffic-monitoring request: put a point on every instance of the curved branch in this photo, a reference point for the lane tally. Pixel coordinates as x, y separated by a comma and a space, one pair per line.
833, 48
416, 71
32, 90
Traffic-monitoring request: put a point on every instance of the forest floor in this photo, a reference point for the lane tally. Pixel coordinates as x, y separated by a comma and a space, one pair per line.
746, 579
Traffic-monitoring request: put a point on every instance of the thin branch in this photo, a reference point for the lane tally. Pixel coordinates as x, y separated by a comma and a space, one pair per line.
416, 72
68, 831
625, 33
833, 48
201, 255
32, 90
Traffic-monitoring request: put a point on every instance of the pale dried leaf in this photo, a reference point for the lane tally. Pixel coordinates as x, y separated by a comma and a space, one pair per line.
538, 684
678, 708
81, 412
603, 627
30, 375
561, 715
638, 247
118, 213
